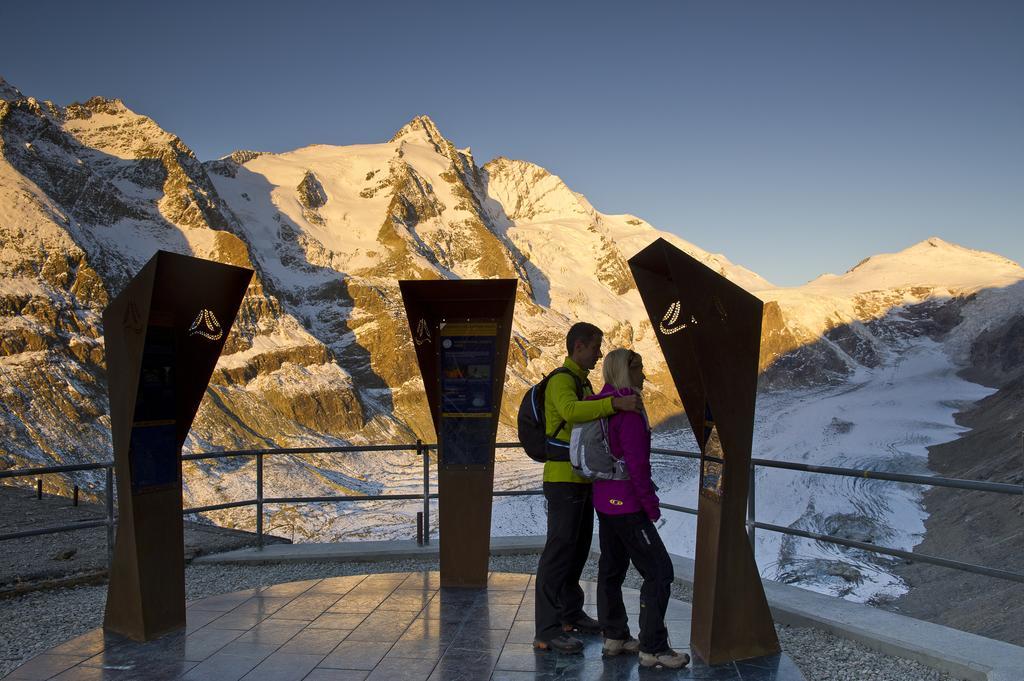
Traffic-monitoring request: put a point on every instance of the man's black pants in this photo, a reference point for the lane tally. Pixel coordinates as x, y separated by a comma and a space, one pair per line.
570, 531
633, 537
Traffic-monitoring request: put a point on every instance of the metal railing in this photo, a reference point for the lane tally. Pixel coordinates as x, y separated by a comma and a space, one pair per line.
423, 450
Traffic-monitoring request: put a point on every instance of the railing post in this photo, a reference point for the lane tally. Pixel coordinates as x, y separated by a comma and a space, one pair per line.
259, 499
751, 512
39, 488
424, 450
110, 518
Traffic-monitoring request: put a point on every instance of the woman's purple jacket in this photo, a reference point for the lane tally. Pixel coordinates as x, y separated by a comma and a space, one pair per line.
629, 436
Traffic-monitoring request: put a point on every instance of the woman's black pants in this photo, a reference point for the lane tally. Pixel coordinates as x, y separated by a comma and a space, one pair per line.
625, 538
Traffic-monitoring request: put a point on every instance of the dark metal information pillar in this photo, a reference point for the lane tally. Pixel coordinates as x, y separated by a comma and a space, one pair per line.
709, 330
163, 335
460, 330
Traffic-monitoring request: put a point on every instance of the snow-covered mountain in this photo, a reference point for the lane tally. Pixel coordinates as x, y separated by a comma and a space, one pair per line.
89, 191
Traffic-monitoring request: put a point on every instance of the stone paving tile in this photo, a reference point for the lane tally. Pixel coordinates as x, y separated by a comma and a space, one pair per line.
386, 578
506, 675
271, 632
522, 657
306, 607
460, 597
321, 674
283, 667
289, 588
507, 581
426, 628
260, 650
484, 640
86, 645
197, 619
205, 642
423, 648
502, 598
223, 602
314, 641
407, 600
381, 581
356, 655
167, 650
337, 585
464, 665
262, 605
81, 674
527, 613
44, 666
402, 669
422, 580
396, 617
491, 617
243, 621
768, 668
337, 620
151, 669
223, 667
362, 604
380, 632
522, 632
447, 608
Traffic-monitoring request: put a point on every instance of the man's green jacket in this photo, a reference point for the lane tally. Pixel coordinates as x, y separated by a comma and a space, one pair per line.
561, 404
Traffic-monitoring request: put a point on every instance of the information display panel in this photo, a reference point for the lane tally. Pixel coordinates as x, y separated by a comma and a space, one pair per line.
468, 350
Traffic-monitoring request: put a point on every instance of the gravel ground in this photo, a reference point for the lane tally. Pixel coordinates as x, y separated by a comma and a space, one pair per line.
35, 622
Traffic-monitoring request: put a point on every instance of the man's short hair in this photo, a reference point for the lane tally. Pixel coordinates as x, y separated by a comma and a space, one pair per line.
581, 331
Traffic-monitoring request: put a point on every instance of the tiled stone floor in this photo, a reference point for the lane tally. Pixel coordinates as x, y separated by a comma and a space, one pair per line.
383, 627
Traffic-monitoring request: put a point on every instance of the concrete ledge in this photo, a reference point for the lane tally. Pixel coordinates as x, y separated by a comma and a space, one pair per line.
961, 654
360, 551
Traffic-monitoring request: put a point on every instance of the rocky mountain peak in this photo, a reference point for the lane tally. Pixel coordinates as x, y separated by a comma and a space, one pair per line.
96, 105
421, 127
8, 92
243, 156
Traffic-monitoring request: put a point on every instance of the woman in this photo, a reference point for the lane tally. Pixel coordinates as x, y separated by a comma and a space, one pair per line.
627, 510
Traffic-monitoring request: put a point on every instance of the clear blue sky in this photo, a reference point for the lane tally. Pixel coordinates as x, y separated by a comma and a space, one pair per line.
794, 137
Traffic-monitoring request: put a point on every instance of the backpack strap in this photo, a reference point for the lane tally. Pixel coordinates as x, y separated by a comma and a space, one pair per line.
579, 391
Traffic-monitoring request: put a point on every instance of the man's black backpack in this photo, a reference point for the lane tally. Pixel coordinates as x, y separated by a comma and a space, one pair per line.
532, 428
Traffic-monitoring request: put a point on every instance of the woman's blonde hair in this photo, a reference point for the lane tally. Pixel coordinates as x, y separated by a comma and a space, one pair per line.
616, 367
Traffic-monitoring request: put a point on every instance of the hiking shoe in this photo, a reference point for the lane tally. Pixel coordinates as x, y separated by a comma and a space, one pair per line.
566, 645
617, 646
585, 625
666, 658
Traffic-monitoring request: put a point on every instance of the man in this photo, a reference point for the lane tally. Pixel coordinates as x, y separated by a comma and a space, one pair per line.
559, 607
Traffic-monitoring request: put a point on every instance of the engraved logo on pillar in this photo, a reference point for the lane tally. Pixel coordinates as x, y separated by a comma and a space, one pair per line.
422, 332
670, 321
132, 319
207, 326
